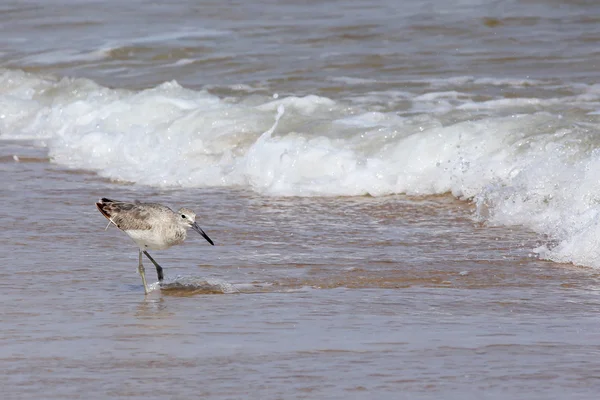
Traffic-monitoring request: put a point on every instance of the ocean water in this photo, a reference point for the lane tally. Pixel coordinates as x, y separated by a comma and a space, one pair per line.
405, 199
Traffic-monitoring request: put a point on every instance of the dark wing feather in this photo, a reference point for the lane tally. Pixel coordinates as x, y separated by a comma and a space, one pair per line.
126, 216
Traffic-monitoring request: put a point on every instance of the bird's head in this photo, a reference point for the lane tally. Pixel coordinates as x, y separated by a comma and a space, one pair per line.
187, 218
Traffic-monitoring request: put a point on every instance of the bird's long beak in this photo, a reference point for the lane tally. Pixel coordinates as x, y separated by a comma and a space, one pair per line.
200, 231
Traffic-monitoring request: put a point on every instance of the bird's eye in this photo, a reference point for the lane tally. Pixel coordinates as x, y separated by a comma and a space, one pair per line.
182, 216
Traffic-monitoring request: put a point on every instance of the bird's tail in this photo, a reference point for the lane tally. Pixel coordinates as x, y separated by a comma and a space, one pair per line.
102, 206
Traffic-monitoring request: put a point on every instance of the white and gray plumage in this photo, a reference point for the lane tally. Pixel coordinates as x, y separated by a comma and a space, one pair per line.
152, 226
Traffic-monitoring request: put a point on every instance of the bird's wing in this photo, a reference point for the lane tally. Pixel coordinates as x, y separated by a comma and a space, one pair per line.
132, 220
127, 216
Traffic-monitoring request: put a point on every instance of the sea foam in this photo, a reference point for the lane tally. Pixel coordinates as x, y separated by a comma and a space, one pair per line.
535, 165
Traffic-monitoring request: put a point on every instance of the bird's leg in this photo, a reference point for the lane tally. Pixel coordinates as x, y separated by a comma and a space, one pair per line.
159, 270
142, 273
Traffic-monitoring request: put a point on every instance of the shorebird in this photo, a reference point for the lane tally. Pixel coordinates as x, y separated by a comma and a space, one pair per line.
150, 225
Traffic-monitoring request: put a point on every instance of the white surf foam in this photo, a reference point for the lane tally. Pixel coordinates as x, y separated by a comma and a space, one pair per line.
533, 165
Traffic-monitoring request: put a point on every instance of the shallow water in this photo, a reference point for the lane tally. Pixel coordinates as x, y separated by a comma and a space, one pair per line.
407, 229
336, 298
